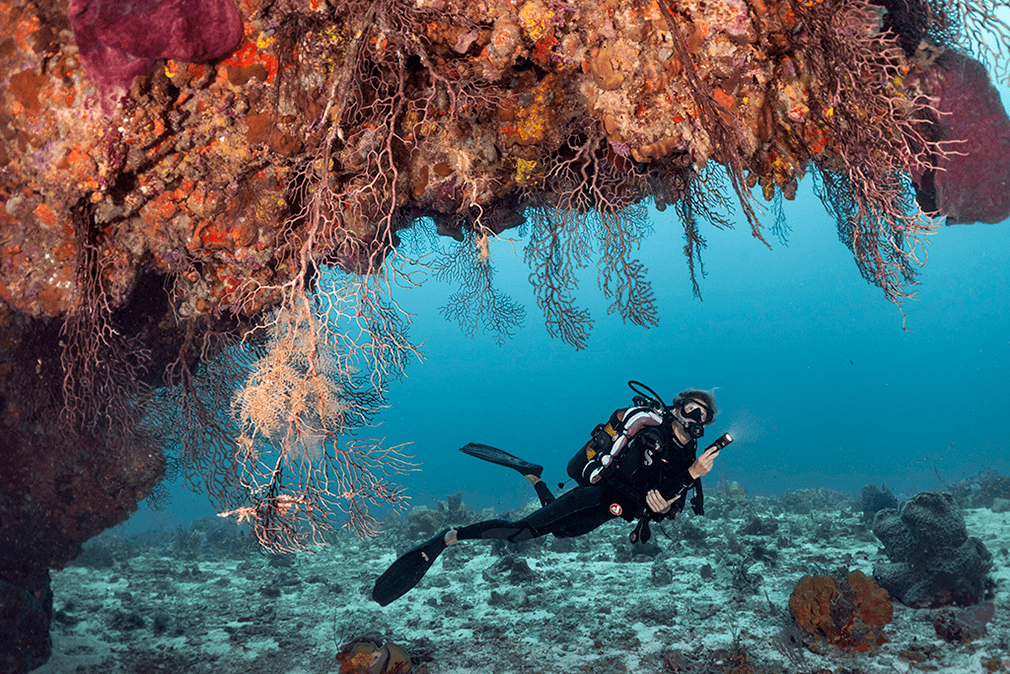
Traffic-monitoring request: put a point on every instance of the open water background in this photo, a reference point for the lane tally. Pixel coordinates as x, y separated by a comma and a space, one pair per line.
814, 375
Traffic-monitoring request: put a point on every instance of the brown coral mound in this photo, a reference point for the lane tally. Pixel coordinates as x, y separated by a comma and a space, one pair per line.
850, 613
365, 656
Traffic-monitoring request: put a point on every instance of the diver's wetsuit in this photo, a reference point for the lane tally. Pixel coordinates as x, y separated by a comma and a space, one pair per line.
653, 457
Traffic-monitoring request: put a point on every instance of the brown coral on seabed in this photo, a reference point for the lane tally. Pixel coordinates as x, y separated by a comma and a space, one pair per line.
850, 613
365, 656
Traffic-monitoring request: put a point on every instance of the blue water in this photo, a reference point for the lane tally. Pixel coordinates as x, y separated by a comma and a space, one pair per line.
814, 374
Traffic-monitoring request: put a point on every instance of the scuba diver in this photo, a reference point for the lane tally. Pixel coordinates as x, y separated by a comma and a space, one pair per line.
638, 465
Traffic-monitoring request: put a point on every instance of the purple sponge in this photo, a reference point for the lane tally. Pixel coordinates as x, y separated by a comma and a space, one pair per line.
119, 39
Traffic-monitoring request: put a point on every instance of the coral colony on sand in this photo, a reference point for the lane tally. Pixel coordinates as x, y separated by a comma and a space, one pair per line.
201, 197
933, 561
849, 614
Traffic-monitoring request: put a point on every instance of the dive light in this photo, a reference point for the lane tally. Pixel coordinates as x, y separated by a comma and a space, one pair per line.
720, 442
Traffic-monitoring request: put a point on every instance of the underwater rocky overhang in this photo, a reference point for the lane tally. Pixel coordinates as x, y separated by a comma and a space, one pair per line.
466, 112
168, 174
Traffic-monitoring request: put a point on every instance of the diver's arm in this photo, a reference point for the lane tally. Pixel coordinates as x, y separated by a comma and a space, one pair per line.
657, 504
673, 489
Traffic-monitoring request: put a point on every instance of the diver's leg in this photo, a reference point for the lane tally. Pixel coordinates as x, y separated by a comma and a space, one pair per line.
572, 514
502, 458
513, 532
531, 471
543, 491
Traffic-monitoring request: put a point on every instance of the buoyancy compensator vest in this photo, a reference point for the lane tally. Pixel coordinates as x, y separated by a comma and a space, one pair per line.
600, 457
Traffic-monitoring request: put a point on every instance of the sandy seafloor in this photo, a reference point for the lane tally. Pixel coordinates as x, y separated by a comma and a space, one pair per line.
204, 600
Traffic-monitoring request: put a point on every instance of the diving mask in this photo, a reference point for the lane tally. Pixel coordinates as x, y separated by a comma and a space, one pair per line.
693, 415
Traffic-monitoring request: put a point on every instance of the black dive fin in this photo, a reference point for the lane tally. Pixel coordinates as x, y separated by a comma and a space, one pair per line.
408, 570
502, 458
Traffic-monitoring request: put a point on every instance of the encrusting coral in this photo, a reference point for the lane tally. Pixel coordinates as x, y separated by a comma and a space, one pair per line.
443, 109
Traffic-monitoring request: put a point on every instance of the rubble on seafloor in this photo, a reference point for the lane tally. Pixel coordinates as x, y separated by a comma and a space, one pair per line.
708, 595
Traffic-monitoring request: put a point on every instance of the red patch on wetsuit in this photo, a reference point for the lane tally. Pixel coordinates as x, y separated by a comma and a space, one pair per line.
615, 509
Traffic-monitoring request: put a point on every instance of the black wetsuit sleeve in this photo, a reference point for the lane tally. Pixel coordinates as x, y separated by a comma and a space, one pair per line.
677, 486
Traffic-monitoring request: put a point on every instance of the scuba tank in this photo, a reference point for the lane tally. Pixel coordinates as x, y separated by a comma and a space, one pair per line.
600, 457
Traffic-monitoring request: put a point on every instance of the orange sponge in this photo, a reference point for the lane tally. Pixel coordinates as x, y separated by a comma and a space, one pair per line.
850, 614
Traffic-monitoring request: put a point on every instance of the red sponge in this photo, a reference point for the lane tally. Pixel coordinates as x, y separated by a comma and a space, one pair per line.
973, 182
119, 39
